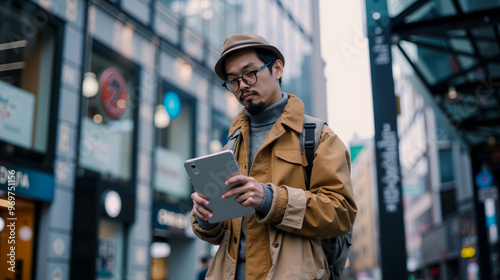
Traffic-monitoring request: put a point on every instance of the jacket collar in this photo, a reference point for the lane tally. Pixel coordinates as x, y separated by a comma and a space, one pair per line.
293, 116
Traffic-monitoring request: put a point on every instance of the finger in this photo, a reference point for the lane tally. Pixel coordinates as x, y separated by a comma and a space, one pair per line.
249, 202
199, 215
234, 191
242, 197
253, 196
202, 212
248, 199
236, 179
197, 198
202, 196
199, 207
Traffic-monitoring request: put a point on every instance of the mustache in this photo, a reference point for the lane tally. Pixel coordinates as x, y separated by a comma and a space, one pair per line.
247, 91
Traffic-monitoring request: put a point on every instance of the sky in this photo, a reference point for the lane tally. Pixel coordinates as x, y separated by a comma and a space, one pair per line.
345, 51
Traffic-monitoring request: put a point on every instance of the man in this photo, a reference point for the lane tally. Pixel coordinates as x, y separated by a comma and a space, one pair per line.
282, 239
204, 263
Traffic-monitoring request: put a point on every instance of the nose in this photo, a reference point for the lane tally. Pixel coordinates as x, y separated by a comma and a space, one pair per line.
243, 85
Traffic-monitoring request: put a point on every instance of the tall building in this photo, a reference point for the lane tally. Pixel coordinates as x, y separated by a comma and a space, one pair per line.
364, 262
101, 102
436, 183
445, 80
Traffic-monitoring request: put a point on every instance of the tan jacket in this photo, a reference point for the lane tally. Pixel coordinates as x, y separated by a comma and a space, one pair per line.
285, 244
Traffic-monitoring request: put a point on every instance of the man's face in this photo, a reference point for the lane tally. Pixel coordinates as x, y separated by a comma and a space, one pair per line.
262, 94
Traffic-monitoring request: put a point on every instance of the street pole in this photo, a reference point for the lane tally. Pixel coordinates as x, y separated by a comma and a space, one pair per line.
391, 220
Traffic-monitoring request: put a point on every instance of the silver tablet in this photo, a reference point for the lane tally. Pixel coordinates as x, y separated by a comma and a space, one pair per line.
208, 174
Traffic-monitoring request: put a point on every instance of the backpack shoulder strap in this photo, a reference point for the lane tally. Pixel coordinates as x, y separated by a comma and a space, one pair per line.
309, 142
336, 249
233, 141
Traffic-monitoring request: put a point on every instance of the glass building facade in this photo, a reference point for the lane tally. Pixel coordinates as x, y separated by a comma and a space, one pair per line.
101, 102
443, 53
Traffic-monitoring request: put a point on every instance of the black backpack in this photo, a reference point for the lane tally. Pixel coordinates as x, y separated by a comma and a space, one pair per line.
336, 248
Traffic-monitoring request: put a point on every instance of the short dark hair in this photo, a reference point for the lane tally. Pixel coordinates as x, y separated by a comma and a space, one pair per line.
267, 56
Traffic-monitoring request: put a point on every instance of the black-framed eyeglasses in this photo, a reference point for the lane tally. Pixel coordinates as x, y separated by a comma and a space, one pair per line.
249, 77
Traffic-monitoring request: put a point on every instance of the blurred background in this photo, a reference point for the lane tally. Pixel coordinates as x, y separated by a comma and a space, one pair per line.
102, 101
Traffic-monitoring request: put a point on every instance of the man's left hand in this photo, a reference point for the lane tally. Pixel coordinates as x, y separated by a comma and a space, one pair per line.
249, 194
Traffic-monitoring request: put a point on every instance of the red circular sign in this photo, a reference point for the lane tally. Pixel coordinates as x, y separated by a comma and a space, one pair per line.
114, 94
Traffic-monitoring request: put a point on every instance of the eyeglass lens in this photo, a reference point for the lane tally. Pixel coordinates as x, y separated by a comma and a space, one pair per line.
249, 78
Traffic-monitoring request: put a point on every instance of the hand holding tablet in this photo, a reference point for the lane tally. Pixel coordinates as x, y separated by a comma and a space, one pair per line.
208, 175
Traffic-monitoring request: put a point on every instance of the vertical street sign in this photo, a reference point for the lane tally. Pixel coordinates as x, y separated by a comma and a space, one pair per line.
391, 220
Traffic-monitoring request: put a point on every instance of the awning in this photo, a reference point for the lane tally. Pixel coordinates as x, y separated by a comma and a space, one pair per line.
454, 48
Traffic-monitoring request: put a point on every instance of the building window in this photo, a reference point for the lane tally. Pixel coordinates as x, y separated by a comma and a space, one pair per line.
27, 67
174, 121
448, 202
447, 173
176, 7
108, 116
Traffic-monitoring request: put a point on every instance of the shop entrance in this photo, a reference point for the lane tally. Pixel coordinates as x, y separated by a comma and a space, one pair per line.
17, 227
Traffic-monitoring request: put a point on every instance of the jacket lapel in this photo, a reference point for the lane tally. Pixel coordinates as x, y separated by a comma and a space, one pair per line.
294, 121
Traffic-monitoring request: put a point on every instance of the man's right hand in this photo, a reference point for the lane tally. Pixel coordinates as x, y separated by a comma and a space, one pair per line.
199, 206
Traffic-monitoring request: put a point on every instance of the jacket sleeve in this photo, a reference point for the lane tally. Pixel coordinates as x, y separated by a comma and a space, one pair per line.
328, 209
213, 235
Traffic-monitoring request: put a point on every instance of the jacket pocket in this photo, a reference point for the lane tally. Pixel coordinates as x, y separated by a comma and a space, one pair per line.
223, 265
288, 168
297, 258
295, 156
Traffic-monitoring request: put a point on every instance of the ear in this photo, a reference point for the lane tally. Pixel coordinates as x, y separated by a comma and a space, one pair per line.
278, 69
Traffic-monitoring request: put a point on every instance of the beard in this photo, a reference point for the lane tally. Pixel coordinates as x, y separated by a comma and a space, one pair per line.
255, 108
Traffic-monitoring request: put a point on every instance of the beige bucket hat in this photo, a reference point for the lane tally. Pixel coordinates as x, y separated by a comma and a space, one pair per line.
242, 41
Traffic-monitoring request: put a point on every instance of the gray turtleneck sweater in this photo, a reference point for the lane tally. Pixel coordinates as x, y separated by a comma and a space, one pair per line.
260, 125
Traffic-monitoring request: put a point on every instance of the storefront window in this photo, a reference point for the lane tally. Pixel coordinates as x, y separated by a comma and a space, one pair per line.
27, 54
110, 250
160, 253
174, 120
21, 258
107, 123
220, 131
